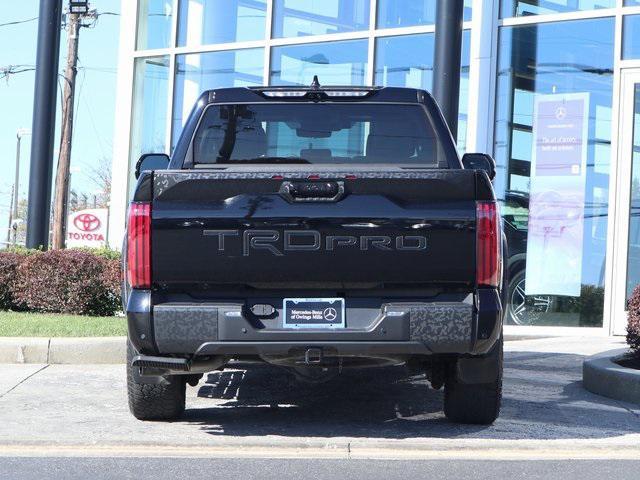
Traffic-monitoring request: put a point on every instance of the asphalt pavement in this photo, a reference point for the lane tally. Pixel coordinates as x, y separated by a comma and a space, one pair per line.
75, 418
276, 469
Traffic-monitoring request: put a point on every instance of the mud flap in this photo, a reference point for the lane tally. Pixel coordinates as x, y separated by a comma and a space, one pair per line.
484, 369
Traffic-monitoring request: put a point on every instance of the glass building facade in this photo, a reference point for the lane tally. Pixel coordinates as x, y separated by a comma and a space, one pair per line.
227, 43
542, 86
538, 61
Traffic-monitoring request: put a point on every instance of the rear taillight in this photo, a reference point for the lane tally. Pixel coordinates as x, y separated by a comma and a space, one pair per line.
139, 245
488, 261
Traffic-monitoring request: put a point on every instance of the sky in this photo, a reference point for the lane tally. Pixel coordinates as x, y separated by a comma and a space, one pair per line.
95, 96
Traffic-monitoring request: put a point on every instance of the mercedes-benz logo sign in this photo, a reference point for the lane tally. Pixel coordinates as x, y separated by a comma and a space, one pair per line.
330, 314
86, 222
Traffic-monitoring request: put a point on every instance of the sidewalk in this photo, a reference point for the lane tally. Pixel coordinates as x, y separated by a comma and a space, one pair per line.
374, 413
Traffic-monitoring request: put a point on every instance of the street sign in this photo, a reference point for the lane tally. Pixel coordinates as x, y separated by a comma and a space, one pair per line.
87, 228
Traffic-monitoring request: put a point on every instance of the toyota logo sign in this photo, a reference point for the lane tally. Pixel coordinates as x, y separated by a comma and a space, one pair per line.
87, 228
86, 222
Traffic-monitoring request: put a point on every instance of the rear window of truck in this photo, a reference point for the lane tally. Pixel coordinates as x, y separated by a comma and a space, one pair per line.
328, 133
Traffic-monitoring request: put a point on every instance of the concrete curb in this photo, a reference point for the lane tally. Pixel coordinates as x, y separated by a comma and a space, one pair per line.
77, 350
601, 375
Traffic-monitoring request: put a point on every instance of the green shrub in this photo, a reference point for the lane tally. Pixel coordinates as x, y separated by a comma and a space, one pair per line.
24, 251
104, 252
589, 305
9, 262
633, 326
61, 281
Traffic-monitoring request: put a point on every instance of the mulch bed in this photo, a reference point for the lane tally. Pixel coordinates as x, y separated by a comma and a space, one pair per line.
630, 361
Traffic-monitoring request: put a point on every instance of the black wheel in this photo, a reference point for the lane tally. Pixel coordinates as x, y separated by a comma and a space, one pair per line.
523, 309
475, 403
154, 401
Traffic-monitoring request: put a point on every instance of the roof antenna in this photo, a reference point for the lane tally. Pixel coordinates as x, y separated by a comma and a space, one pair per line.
315, 84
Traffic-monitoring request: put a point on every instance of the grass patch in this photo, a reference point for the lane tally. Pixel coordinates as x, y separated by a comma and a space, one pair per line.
25, 324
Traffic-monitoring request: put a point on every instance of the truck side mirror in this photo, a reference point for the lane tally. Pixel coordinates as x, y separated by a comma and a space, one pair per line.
151, 161
480, 161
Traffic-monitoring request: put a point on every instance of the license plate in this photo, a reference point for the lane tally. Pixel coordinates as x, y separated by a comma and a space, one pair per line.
313, 312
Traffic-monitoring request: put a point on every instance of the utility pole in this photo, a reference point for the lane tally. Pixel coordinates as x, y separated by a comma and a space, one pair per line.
44, 120
64, 159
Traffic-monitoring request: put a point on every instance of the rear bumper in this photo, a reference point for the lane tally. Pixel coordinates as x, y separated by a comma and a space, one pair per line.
202, 329
333, 348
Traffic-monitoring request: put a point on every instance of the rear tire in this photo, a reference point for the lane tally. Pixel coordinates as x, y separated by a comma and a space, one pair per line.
154, 401
474, 403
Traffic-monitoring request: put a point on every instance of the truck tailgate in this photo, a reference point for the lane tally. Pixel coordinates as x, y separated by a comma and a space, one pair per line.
234, 227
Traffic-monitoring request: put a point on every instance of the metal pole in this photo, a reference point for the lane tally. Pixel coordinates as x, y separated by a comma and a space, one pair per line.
13, 213
44, 119
19, 134
10, 217
17, 178
448, 51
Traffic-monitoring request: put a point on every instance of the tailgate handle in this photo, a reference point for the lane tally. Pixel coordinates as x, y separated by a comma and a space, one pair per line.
312, 191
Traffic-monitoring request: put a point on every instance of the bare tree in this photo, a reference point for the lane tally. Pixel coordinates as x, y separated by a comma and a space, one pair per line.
100, 175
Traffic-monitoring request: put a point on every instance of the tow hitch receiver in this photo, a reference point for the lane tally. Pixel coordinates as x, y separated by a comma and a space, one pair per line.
313, 356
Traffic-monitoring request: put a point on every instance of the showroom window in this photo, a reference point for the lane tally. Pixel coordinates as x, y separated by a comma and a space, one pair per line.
154, 24
633, 257
397, 65
631, 37
149, 114
408, 13
205, 22
335, 63
197, 72
296, 18
523, 8
553, 151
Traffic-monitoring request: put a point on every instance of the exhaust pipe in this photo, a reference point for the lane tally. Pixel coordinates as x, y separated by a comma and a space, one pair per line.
162, 363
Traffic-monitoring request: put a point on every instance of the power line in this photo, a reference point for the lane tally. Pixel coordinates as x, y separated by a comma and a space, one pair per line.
17, 22
99, 69
88, 108
27, 20
5, 72
93, 16
76, 111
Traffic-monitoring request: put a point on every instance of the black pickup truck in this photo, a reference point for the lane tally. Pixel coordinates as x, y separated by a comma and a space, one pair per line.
317, 229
